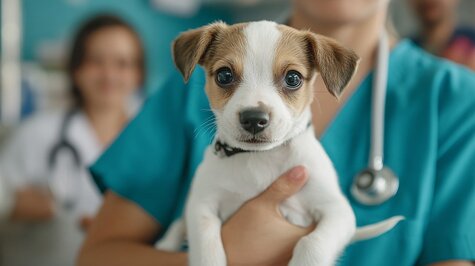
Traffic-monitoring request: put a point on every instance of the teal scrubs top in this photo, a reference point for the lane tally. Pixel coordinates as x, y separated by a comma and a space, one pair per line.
429, 143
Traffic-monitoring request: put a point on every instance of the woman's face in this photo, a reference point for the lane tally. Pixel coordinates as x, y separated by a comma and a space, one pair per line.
332, 12
110, 72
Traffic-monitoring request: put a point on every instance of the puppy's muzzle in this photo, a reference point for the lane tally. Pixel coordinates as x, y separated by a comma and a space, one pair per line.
254, 120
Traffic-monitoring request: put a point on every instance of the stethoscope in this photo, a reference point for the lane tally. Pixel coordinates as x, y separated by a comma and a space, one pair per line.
377, 183
64, 145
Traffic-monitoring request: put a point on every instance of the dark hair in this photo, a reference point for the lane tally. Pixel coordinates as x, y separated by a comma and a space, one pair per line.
78, 51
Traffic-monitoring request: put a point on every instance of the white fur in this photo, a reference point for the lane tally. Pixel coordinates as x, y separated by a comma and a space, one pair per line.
222, 185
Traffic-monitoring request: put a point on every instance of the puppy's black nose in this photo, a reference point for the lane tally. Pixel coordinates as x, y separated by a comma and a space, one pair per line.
254, 120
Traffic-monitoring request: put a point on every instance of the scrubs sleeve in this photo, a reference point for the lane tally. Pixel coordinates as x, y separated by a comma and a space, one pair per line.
450, 233
145, 164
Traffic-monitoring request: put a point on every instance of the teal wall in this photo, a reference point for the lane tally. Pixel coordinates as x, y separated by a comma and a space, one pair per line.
58, 19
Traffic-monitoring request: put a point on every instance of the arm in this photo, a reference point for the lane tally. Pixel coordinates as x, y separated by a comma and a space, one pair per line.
121, 235
450, 232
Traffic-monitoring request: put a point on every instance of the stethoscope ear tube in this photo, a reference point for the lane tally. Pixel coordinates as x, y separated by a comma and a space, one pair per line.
377, 183
63, 144
378, 103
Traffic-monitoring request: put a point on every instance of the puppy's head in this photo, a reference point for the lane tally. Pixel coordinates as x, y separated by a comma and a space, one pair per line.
260, 77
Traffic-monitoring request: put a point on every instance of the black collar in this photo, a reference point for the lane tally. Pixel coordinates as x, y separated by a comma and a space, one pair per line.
222, 149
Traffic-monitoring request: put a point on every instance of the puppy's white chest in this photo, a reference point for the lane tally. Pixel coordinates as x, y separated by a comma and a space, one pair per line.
230, 182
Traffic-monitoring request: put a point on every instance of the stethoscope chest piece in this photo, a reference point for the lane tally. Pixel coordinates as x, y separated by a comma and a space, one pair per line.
373, 187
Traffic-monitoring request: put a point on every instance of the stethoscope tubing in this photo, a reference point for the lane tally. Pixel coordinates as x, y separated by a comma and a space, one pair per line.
377, 183
376, 157
63, 144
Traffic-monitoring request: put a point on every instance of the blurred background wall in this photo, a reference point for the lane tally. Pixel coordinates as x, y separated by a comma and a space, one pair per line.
49, 26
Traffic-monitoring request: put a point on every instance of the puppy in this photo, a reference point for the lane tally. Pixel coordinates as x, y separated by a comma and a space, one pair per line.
260, 84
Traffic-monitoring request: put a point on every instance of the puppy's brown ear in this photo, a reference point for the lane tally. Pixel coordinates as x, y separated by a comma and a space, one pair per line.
190, 47
336, 64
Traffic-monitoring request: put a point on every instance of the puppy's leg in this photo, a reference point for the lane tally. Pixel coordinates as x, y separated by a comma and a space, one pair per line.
204, 236
335, 227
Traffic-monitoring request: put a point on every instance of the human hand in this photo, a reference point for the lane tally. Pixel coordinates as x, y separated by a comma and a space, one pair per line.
33, 204
257, 234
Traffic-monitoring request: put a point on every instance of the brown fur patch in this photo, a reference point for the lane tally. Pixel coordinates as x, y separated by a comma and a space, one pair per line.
291, 54
227, 50
190, 47
214, 46
308, 53
335, 63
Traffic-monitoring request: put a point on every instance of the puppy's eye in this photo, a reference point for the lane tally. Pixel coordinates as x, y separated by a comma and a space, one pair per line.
224, 76
293, 80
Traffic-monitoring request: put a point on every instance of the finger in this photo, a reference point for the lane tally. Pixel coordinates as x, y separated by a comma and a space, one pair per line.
285, 186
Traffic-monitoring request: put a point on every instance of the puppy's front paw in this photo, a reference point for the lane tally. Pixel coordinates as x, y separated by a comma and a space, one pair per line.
308, 252
203, 263
206, 259
206, 262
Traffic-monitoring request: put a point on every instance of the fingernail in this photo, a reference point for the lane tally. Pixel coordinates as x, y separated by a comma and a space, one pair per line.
297, 173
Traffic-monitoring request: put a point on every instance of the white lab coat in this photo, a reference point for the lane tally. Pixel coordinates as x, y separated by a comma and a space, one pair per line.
24, 160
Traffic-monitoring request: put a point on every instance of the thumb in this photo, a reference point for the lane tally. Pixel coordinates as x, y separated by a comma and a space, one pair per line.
285, 186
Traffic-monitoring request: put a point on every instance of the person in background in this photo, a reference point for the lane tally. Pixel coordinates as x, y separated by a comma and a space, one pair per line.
52, 198
440, 33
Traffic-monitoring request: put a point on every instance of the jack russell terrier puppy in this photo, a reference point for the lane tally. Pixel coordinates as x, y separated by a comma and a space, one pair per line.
260, 83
